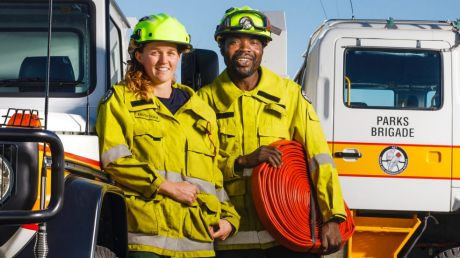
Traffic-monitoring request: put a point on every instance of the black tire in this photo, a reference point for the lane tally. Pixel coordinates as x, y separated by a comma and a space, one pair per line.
450, 253
103, 252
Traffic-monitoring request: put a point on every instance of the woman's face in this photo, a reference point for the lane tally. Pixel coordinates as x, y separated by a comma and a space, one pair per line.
159, 60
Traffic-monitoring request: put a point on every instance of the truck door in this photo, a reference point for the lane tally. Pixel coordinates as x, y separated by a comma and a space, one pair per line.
393, 123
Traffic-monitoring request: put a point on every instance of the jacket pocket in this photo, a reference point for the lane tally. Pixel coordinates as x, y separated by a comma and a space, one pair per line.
271, 133
200, 157
228, 136
141, 216
154, 132
148, 144
170, 216
199, 218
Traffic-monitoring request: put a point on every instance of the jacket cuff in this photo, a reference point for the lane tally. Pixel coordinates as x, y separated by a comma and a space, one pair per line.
156, 185
229, 169
334, 215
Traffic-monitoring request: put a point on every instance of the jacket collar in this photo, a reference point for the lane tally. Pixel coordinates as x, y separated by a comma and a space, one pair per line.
195, 103
225, 92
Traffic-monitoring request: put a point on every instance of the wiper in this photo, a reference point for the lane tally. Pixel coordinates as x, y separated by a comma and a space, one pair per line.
9, 82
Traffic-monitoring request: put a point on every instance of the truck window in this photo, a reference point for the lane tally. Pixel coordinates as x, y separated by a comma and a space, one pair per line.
392, 79
115, 53
23, 30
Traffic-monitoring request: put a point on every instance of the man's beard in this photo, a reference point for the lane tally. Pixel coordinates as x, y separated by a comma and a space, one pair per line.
242, 72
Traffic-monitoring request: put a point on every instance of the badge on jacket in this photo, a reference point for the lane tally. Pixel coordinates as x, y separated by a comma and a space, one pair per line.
107, 95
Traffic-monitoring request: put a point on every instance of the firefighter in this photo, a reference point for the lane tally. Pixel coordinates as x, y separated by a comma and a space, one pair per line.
255, 108
159, 143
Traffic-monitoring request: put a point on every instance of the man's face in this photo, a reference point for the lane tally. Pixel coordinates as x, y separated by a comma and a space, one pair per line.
242, 54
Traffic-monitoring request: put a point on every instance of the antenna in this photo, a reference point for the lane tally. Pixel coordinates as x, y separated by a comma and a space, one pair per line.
41, 240
324, 10
352, 11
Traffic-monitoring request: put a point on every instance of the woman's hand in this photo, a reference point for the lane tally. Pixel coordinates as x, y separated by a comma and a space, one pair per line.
183, 192
221, 231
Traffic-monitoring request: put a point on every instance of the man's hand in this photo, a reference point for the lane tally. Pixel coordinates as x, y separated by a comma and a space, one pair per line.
183, 192
221, 231
331, 239
268, 154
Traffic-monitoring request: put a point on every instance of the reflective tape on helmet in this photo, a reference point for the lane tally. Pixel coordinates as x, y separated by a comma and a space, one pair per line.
169, 243
115, 153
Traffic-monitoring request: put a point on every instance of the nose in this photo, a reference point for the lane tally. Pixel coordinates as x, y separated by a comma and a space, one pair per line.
245, 44
163, 58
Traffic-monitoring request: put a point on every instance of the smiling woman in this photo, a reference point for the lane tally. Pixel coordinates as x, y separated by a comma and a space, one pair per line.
158, 141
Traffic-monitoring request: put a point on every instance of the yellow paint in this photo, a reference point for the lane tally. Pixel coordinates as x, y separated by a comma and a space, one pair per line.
423, 161
48, 183
456, 164
433, 157
380, 237
48, 180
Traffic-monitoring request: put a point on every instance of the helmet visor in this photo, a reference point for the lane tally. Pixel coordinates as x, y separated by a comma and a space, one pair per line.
245, 20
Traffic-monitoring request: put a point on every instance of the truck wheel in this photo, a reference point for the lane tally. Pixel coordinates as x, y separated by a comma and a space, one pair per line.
450, 253
103, 252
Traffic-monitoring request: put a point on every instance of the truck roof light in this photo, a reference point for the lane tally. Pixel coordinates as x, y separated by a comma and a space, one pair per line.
24, 120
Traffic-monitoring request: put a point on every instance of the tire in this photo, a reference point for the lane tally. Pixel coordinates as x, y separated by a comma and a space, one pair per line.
103, 252
450, 253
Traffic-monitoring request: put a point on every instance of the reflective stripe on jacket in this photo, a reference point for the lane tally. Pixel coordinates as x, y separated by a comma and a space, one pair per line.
142, 144
274, 110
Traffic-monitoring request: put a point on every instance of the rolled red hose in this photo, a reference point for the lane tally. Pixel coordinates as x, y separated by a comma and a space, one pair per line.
283, 200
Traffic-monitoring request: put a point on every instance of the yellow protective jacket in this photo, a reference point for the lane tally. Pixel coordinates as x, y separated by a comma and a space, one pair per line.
142, 144
274, 110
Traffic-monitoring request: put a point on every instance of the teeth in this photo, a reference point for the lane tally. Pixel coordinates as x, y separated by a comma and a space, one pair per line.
162, 69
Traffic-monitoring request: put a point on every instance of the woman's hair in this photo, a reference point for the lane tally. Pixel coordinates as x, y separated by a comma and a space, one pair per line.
136, 79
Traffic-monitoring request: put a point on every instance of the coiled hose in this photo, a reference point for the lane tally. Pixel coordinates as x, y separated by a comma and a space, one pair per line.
283, 199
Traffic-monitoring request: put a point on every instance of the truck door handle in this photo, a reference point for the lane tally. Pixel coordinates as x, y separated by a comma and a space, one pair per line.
355, 155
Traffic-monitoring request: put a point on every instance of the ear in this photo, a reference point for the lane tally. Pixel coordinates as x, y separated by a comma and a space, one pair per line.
138, 56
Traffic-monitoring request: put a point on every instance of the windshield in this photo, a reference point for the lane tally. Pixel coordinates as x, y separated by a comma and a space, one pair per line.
393, 79
23, 45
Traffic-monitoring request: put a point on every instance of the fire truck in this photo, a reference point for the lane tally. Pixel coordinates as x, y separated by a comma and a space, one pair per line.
57, 61
388, 95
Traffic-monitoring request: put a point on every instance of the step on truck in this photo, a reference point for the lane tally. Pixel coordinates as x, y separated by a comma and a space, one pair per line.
50, 178
388, 95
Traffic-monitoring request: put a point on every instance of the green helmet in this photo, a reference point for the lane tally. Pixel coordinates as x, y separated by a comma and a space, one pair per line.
161, 27
243, 20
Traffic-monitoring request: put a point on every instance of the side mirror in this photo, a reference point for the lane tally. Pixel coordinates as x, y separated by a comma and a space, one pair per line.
199, 67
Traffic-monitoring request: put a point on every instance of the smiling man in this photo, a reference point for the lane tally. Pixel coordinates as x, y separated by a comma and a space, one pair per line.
255, 108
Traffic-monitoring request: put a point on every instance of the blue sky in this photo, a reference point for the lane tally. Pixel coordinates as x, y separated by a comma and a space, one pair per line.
302, 17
